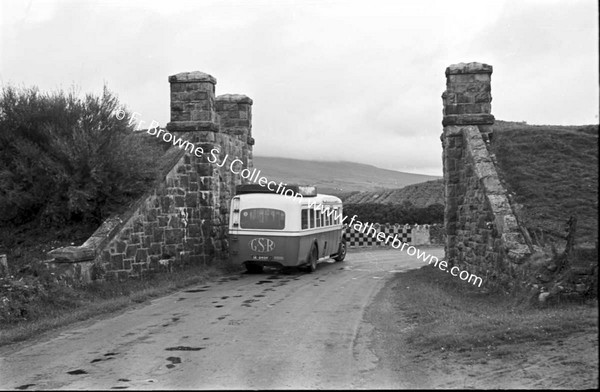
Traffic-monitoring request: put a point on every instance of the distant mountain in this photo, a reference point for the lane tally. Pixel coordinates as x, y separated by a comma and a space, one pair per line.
335, 177
551, 171
419, 195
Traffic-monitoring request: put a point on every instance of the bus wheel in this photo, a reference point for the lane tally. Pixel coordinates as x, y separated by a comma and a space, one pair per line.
254, 268
341, 254
314, 256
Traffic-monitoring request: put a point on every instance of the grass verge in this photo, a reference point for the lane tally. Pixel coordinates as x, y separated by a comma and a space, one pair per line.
66, 305
553, 172
454, 316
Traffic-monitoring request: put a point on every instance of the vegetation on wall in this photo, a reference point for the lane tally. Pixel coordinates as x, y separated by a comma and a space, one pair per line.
66, 159
553, 173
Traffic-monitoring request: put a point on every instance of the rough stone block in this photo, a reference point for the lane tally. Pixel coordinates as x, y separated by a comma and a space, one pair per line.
137, 268
146, 241
184, 181
72, 254
450, 109
206, 183
135, 238
206, 213
170, 251
153, 264
174, 222
131, 249
149, 227
180, 116
163, 220
468, 119
191, 199
179, 201
197, 77
200, 115
120, 246
141, 255
189, 244
459, 79
116, 262
173, 236
127, 264
193, 230
204, 170
158, 234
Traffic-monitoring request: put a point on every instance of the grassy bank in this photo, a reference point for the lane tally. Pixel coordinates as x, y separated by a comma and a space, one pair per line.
64, 305
553, 172
450, 315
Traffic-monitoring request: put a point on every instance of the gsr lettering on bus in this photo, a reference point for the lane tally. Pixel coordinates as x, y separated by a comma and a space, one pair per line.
262, 245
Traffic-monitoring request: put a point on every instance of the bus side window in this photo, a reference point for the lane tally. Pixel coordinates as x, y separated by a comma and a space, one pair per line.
327, 218
318, 218
311, 218
304, 219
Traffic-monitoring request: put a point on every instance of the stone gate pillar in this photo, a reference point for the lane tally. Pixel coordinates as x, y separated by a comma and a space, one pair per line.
194, 119
235, 121
483, 233
468, 98
235, 114
192, 102
467, 102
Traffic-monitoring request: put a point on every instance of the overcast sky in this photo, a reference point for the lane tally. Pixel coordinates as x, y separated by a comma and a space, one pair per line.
331, 80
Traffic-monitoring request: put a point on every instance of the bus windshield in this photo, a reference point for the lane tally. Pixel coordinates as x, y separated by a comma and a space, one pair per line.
262, 218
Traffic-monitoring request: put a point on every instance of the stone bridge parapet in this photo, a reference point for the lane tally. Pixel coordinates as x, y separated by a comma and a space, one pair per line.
183, 219
483, 234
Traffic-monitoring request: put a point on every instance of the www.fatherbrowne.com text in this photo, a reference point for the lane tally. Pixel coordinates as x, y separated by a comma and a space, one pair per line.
236, 166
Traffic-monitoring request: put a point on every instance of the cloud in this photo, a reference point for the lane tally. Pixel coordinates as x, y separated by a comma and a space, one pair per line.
545, 58
338, 80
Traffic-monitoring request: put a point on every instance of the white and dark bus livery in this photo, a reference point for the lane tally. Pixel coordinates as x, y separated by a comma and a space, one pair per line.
276, 230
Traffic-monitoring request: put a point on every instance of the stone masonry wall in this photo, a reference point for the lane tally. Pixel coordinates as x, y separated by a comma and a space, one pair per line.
183, 219
482, 232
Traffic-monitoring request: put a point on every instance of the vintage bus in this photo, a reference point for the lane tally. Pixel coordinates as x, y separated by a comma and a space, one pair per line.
276, 230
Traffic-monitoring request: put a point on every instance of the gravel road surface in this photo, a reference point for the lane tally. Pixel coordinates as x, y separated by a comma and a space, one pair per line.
267, 331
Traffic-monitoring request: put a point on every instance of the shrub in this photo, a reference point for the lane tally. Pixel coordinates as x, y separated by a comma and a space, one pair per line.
66, 159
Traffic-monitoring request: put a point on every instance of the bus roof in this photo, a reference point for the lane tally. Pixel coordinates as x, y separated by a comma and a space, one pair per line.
291, 189
278, 200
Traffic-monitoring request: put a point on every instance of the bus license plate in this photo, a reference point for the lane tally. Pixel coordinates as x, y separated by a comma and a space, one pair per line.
262, 258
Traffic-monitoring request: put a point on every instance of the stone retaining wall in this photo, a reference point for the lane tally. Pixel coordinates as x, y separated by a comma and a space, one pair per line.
183, 219
483, 234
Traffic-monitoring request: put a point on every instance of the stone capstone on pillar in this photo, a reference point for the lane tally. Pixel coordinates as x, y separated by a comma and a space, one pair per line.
192, 102
467, 99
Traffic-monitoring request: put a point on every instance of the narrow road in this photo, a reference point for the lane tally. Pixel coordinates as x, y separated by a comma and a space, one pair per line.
269, 331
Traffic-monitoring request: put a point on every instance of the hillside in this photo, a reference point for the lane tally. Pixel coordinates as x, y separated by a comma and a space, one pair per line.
419, 195
335, 177
553, 172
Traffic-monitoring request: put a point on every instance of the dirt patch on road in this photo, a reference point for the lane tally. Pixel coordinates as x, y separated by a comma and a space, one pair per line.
569, 361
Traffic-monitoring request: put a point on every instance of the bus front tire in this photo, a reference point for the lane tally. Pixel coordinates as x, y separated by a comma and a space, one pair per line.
341, 254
